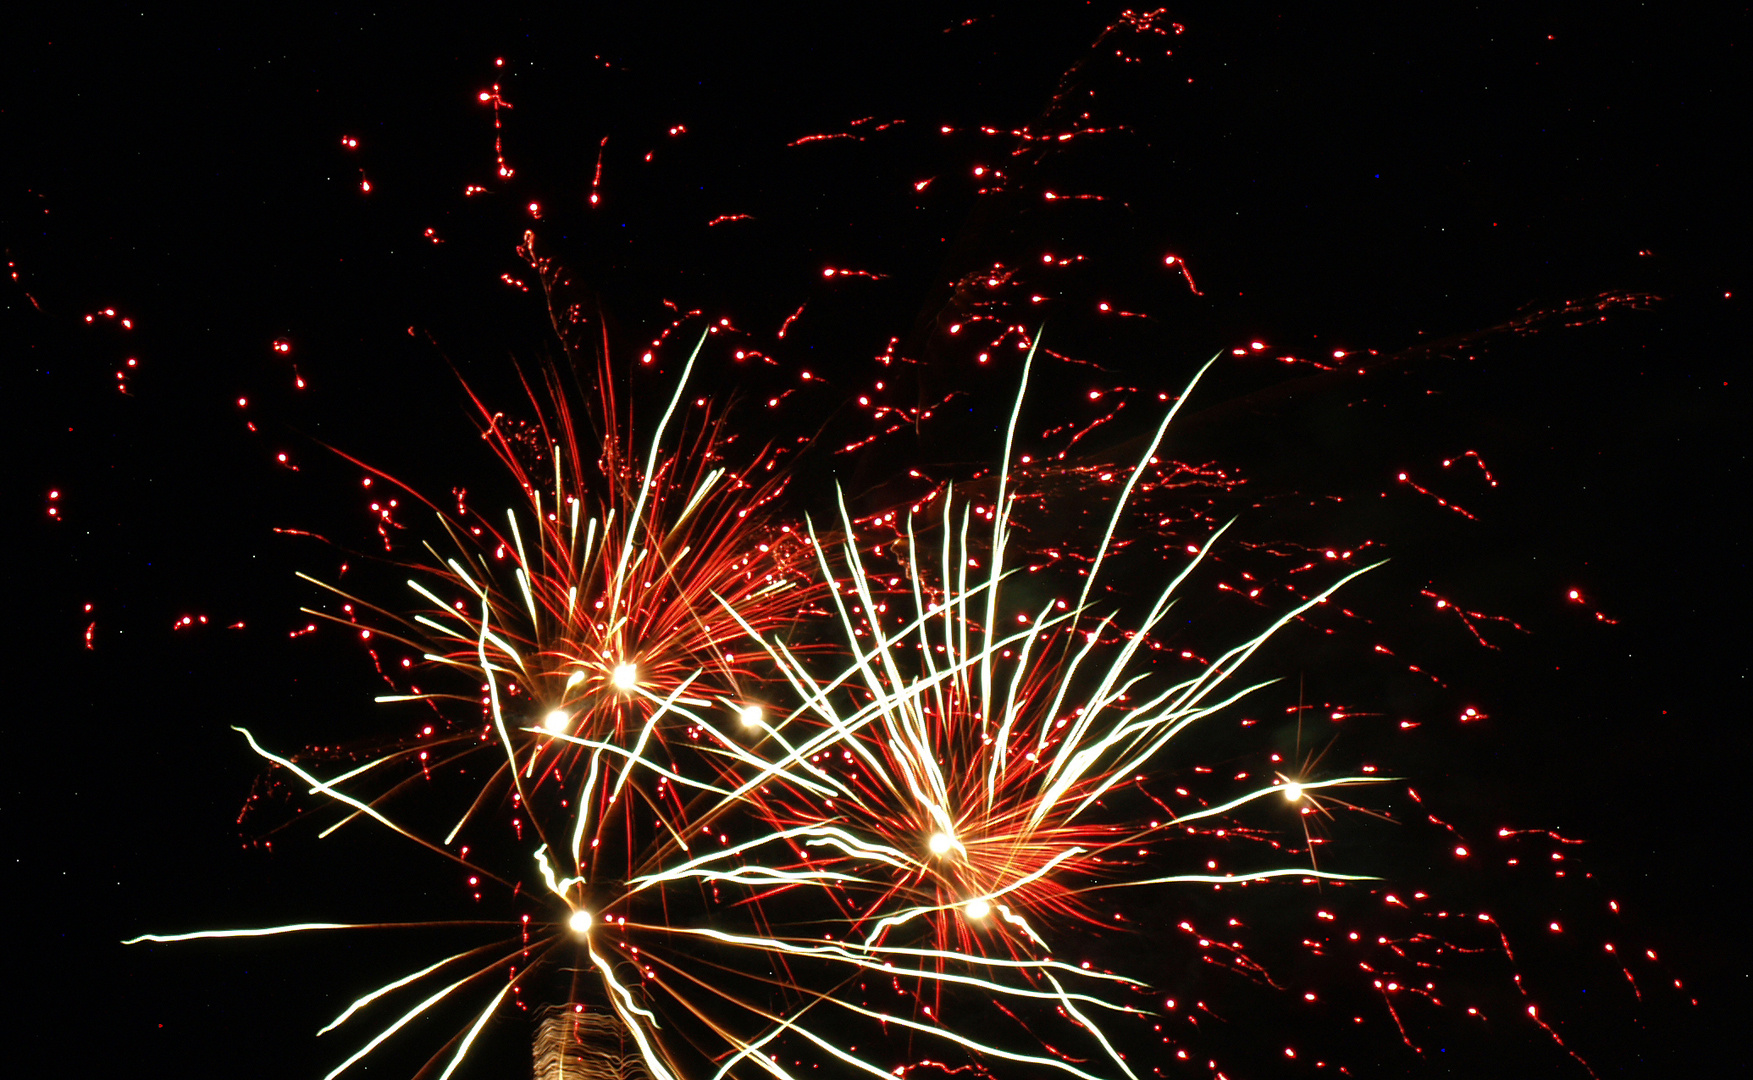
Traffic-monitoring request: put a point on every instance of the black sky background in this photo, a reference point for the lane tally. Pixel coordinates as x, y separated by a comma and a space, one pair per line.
1335, 180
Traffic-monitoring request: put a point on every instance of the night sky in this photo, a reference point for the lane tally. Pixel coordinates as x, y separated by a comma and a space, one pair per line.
1524, 224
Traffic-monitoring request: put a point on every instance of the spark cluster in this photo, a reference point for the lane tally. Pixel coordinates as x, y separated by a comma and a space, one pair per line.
738, 810
780, 796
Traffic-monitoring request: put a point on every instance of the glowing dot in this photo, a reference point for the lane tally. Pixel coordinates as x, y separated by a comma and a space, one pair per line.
574, 679
1293, 792
941, 842
750, 715
977, 908
625, 676
580, 922
556, 720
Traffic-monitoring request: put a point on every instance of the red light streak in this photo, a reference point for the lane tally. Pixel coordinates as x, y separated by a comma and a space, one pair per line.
596, 176
492, 97
831, 271
1440, 501
1471, 619
1180, 264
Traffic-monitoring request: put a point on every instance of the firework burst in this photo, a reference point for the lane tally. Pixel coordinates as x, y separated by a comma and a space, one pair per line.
786, 853
576, 620
592, 634
932, 814
964, 767
737, 784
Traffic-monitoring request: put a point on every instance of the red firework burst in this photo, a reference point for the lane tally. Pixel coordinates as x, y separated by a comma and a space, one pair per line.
580, 619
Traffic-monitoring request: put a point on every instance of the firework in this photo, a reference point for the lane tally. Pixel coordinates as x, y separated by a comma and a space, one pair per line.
962, 763
729, 853
978, 762
584, 630
618, 590
729, 859
744, 781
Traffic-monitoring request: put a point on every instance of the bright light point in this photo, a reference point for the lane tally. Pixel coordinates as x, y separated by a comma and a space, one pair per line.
941, 842
557, 720
579, 922
977, 908
750, 715
1293, 792
574, 679
625, 676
